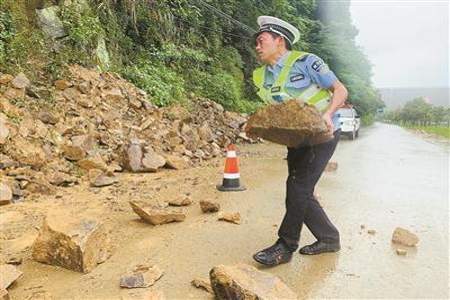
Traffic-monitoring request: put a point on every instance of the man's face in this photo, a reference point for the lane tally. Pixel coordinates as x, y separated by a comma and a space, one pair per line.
267, 46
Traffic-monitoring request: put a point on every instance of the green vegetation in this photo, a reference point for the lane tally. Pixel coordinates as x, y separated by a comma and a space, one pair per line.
436, 130
178, 49
421, 115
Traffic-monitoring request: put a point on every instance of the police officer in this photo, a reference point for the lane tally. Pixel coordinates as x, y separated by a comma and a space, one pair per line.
287, 74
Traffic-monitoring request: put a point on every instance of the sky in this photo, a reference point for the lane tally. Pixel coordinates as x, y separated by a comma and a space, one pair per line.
407, 41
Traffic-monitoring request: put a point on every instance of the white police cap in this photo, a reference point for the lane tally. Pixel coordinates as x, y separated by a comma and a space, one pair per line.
280, 27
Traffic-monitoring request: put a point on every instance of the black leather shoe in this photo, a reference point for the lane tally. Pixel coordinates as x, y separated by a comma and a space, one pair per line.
320, 247
274, 255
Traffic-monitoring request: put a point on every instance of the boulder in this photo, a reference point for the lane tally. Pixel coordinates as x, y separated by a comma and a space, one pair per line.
209, 206
291, 123
157, 215
141, 277
8, 274
50, 23
246, 282
230, 217
404, 237
74, 243
20, 81
6, 194
133, 156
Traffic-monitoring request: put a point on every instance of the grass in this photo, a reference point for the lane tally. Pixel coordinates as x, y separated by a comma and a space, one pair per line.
437, 130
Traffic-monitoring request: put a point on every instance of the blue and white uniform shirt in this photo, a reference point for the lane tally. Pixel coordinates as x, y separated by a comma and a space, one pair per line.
310, 69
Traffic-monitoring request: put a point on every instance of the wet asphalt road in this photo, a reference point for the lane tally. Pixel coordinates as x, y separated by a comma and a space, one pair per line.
386, 178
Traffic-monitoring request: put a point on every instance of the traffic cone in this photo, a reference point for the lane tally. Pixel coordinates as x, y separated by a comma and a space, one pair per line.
231, 173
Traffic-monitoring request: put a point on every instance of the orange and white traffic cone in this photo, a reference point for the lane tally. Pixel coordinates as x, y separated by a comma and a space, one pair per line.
231, 177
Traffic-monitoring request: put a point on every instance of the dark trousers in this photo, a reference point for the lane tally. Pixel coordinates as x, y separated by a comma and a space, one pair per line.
305, 165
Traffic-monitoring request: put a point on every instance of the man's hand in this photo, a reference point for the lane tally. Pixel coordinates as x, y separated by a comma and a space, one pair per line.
327, 117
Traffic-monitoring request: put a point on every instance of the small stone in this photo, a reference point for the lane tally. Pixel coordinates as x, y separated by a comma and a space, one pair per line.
371, 231
401, 251
175, 162
181, 201
158, 215
73, 153
362, 226
14, 261
93, 162
141, 277
61, 179
6, 194
246, 282
8, 274
20, 81
48, 118
202, 284
404, 237
113, 95
151, 161
62, 84
104, 180
230, 217
209, 206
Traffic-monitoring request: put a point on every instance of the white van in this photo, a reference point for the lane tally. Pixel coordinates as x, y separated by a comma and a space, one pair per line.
350, 122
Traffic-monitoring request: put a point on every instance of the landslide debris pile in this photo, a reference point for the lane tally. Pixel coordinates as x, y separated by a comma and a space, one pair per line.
96, 124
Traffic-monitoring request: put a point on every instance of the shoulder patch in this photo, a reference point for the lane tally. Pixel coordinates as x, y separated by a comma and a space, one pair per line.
317, 64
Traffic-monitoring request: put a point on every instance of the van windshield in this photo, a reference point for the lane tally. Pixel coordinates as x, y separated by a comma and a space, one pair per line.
346, 113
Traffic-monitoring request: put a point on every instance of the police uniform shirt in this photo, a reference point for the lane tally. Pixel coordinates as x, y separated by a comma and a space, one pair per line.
309, 69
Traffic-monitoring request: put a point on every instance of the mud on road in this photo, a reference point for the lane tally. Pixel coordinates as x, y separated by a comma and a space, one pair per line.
386, 178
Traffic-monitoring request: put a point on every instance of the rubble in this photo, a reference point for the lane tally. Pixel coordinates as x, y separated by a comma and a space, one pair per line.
75, 244
230, 217
246, 282
99, 120
157, 215
289, 123
8, 274
141, 277
209, 206
404, 237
